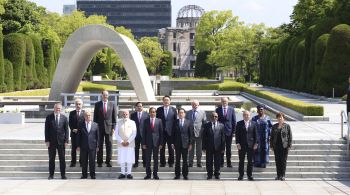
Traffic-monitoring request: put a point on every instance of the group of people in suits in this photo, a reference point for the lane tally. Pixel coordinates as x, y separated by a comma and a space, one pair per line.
88, 133
183, 133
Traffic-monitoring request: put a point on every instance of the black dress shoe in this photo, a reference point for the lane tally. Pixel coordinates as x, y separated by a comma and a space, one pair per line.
283, 178
147, 177
50, 177
99, 165
209, 177
72, 165
277, 178
83, 177
229, 165
250, 178
156, 177
177, 177
185, 178
63, 177
240, 178
93, 177
199, 165
171, 165
217, 177
135, 165
190, 165
109, 165
129, 176
162, 165
121, 176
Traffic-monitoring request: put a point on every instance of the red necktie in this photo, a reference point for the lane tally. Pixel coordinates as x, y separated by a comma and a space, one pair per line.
152, 125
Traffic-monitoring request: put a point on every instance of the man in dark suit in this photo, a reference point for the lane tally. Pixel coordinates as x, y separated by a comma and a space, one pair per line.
152, 142
247, 142
87, 143
75, 117
105, 117
227, 117
213, 145
182, 143
168, 116
56, 138
139, 117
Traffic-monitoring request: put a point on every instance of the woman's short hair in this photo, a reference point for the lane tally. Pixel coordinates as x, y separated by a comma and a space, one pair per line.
280, 114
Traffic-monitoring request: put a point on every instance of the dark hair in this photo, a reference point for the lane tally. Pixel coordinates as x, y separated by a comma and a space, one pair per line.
166, 96
280, 114
137, 103
181, 109
152, 108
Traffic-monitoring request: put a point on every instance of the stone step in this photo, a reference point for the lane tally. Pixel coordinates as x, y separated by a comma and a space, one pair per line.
68, 151
45, 163
290, 157
191, 169
170, 175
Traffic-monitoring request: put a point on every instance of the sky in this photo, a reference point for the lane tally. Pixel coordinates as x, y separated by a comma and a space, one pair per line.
271, 12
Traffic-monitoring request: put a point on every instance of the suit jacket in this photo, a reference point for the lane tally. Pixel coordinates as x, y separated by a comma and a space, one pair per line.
108, 122
168, 121
199, 121
139, 123
213, 139
87, 140
286, 136
56, 135
246, 138
182, 136
229, 120
152, 136
74, 120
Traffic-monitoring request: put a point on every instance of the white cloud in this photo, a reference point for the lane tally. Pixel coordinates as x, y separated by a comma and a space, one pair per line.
253, 5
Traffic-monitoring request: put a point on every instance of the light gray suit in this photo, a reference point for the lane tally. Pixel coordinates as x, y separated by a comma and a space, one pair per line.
198, 119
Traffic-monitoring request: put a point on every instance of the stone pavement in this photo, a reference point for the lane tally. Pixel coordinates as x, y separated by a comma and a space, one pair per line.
170, 187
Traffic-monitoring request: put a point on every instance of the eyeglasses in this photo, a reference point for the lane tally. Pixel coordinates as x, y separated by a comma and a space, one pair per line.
215, 116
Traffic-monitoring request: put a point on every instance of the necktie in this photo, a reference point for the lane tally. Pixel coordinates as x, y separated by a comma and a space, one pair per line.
225, 112
194, 115
166, 112
213, 126
152, 125
88, 127
104, 108
139, 116
57, 120
78, 112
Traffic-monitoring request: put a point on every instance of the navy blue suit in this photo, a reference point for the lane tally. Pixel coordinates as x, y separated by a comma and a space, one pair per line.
229, 122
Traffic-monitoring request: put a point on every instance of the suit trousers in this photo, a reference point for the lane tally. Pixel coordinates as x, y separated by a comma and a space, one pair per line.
52, 157
108, 139
281, 155
74, 149
197, 144
88, 156
228, 143
242, 153
167, 140
137, 151
149, 151
211, 156
180, 151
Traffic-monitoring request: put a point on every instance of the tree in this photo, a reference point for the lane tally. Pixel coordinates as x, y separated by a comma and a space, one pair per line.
152, 53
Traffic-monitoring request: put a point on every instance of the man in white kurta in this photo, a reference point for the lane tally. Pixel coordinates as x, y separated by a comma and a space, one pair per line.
125, 135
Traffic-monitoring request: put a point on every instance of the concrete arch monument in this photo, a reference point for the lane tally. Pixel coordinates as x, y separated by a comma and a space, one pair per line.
81, 47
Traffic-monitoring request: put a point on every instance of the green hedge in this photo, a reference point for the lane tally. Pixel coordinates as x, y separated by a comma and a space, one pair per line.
40, 69
299, 106
2, 69
299, 56
336, 64
8, 75
49, 58
15, 52
88, 86
320, 48
31, 78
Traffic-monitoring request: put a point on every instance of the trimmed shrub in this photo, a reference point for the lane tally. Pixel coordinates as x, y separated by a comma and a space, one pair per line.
49, 58
299, 56
320, 48
40, 69
31, 78
336, 64
88, 86
305, 66
8, 75
2, 69
281, 65
299, 106
15, 52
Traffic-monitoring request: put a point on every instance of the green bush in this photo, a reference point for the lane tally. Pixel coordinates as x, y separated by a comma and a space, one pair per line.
2, 69
299, 56
8, 75
49, 58
204, 69
231, 86
336, 64
320, 48
299, 106
280, 70
15, 52
31, 79
88, 86
166, 66
40, 69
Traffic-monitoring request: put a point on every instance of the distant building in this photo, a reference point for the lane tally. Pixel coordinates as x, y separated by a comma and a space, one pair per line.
68, 9
180, 40
143, 17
